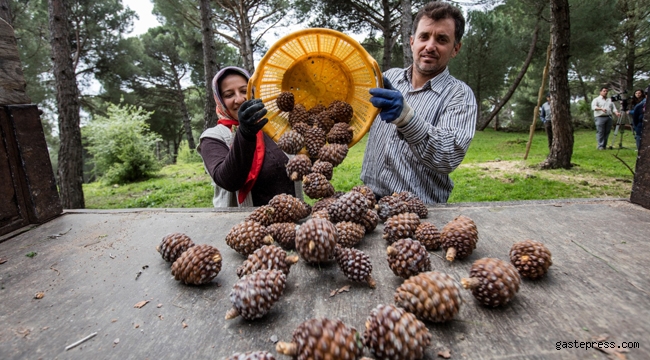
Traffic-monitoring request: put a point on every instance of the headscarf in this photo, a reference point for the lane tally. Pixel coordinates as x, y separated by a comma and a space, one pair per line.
228, 120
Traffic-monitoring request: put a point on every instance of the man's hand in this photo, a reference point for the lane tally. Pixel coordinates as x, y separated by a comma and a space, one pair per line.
250, 113
389, 100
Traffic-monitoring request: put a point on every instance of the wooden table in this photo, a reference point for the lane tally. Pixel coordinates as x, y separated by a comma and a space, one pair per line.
94, 266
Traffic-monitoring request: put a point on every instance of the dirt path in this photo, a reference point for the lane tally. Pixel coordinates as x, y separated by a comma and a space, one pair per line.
503, 170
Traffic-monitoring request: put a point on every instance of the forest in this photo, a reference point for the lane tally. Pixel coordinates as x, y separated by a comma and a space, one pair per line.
131, 104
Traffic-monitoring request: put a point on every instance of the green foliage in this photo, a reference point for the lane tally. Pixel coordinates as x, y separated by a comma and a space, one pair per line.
175, 186
121, 146
31, 254
187, 155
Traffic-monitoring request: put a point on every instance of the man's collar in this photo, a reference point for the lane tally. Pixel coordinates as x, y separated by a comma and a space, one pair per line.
436, 83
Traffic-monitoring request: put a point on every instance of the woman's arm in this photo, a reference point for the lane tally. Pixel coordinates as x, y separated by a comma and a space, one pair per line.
228, 167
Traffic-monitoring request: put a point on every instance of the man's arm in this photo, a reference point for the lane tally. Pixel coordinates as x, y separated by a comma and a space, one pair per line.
442, 147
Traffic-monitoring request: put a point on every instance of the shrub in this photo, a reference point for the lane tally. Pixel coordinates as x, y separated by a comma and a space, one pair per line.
121, 145
187, 155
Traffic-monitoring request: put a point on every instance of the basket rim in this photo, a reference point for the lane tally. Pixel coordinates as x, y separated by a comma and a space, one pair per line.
315, 31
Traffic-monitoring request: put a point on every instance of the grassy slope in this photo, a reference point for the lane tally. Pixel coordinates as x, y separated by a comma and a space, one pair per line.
596, 174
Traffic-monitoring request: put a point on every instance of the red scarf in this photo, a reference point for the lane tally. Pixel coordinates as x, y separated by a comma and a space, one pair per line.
258, 158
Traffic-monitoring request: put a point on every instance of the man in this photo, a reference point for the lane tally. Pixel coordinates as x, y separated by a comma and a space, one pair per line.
427, 117
603, 109
545, 115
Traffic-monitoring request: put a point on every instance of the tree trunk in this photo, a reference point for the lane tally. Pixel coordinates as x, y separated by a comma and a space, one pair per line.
388, 39
483, 124
246, 38
209, 65
67, 99
562, 148
5, 12
407, 24
187, 121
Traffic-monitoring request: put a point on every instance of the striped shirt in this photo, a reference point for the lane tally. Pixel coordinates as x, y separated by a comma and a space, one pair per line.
419, 156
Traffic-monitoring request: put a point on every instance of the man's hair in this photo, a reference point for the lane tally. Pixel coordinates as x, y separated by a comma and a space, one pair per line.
438, 10
603, 87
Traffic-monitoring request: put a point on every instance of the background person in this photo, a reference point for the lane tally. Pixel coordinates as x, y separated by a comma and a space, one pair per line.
603, 109
246, 166
637, 117
545, 116
427, 117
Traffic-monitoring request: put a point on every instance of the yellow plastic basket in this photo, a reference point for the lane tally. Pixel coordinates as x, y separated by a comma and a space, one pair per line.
317, 66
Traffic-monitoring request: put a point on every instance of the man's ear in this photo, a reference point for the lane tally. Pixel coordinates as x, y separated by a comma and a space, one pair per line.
456, 49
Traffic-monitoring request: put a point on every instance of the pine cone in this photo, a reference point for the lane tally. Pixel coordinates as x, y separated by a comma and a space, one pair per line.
298, 167
316, 186
493, 282
350, 234
285, 101
458, 238
247, 237
428, 235
355, 264
254, 295
531, 258
407, 257
263, 215
431, 296
323, 339
392, 333
287, 208
173, 245
291, 142
389, 206
316, 240
199, 265
284, 234
333, 153
324, 168
268, 257
349, 207
400, 226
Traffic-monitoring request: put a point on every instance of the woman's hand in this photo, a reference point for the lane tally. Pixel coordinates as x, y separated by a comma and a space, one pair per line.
251, 118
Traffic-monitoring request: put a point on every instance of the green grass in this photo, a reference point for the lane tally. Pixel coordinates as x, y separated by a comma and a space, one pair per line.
493, 170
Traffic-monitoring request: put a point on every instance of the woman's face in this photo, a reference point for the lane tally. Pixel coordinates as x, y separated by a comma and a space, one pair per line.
233, 92
638, 94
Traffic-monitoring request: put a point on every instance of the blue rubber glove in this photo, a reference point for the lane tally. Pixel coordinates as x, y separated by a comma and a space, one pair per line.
389, 100
250, 113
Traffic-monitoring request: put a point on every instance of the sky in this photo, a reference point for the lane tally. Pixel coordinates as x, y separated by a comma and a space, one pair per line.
147, 20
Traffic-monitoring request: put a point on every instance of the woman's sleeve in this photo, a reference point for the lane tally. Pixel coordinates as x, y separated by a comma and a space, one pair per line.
228, 167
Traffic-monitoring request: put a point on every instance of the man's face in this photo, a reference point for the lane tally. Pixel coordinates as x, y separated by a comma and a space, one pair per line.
433, 46
604, 92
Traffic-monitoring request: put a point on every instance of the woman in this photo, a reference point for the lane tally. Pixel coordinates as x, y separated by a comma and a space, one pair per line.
639, 95
246, 166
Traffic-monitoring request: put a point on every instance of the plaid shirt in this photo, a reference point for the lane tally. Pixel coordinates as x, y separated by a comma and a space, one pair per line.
419, 156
